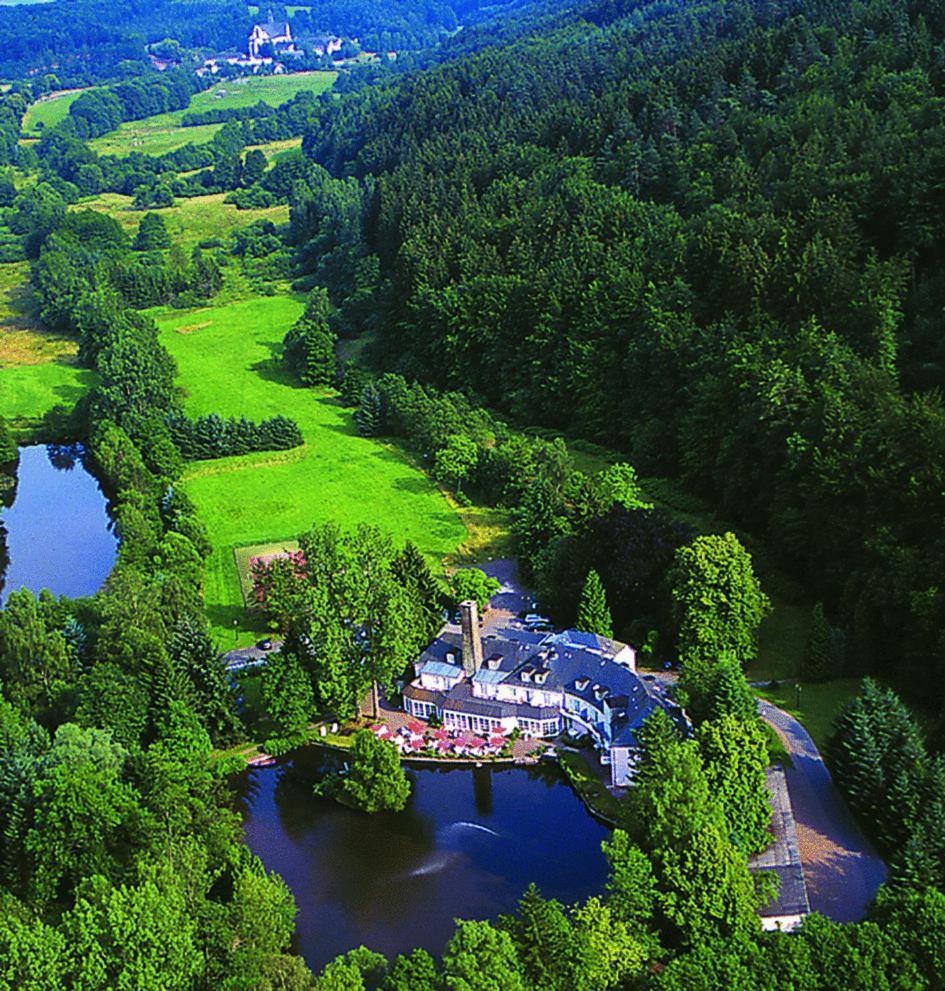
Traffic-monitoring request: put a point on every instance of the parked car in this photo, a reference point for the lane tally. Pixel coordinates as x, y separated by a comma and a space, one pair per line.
265, 644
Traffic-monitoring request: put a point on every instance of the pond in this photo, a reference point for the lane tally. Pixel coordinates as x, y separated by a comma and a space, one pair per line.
55, 525
467, 845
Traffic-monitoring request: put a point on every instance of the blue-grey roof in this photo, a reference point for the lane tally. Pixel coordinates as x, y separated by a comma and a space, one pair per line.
442, 669
565, 660
461, 699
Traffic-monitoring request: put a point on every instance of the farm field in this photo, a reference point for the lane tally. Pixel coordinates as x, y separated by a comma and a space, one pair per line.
189, 221
162, 133
50, 110
228, 361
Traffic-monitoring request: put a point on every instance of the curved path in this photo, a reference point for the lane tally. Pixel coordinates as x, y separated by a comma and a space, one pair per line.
841, 868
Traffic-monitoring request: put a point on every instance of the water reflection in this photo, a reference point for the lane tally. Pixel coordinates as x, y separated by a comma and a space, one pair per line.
56, 531
467, 845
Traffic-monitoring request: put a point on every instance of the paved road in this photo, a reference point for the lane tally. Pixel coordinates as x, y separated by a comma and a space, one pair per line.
247, 657
841, 868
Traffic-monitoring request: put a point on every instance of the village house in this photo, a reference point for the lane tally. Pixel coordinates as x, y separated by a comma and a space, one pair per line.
326, 44
541, 683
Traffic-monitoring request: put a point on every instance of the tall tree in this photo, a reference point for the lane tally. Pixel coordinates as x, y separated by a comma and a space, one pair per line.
735, 753
718, 605
817, 663
593, 614
374, 780
411, 571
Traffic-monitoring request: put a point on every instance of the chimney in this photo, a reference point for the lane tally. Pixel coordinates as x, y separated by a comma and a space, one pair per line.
472, 644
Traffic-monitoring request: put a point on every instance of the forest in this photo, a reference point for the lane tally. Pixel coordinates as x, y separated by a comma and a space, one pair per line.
85, 41
703, 235
701, 241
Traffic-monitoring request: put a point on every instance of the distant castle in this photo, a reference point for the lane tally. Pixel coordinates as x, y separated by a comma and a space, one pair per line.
271, 38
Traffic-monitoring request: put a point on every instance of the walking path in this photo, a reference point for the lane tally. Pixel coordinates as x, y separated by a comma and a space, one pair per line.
841, 869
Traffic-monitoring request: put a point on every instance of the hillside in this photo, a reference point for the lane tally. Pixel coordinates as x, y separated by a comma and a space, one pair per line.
708, 235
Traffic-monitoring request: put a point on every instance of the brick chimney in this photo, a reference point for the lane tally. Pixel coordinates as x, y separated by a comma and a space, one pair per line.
472, 643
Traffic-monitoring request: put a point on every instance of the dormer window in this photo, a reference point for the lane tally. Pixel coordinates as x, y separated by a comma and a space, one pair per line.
541, 677
526, 674
582, 683
600, 692
494, 662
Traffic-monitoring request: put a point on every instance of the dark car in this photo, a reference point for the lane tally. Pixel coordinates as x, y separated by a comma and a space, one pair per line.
264, 644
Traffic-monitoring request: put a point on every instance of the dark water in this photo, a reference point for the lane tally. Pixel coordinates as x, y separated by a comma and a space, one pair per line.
467, 845
58, 533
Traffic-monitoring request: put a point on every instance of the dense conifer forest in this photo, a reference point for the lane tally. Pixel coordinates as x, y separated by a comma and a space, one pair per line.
703, 238
705, 235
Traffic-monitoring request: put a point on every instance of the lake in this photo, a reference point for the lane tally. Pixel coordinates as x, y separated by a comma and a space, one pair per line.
467, 845
58, 533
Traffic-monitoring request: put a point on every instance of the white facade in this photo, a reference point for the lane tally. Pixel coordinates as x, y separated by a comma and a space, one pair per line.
276, 35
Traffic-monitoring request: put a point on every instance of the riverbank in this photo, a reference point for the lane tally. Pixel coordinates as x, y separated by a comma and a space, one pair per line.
597, 798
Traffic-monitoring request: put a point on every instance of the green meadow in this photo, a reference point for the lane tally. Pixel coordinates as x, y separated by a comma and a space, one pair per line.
228, 359
189, 221
49, 111
163, 133
28, 392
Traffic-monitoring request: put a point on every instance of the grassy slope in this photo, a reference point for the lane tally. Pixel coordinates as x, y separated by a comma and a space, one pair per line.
50, 110
190, 220
227, 359
36, 368
162, 133
816, 706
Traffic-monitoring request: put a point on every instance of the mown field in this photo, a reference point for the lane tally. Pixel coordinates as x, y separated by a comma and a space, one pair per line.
189, 221
228, 361
162, 133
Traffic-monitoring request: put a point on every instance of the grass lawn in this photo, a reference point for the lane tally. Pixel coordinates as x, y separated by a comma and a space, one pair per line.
818, 706
49, 110
189, 221
162, 133
228, 360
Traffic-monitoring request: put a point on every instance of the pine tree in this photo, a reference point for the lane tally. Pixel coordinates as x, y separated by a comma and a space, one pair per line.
368, 415
413, 574
818, 661
729, 693
593, 613
152, 234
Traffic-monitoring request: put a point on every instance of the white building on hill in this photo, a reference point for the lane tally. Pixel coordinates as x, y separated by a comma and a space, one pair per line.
271, 38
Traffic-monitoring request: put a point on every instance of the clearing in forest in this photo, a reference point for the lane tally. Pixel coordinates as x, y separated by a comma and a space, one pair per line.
228, 359
163, 133
49, 110
190, 221
37, 367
